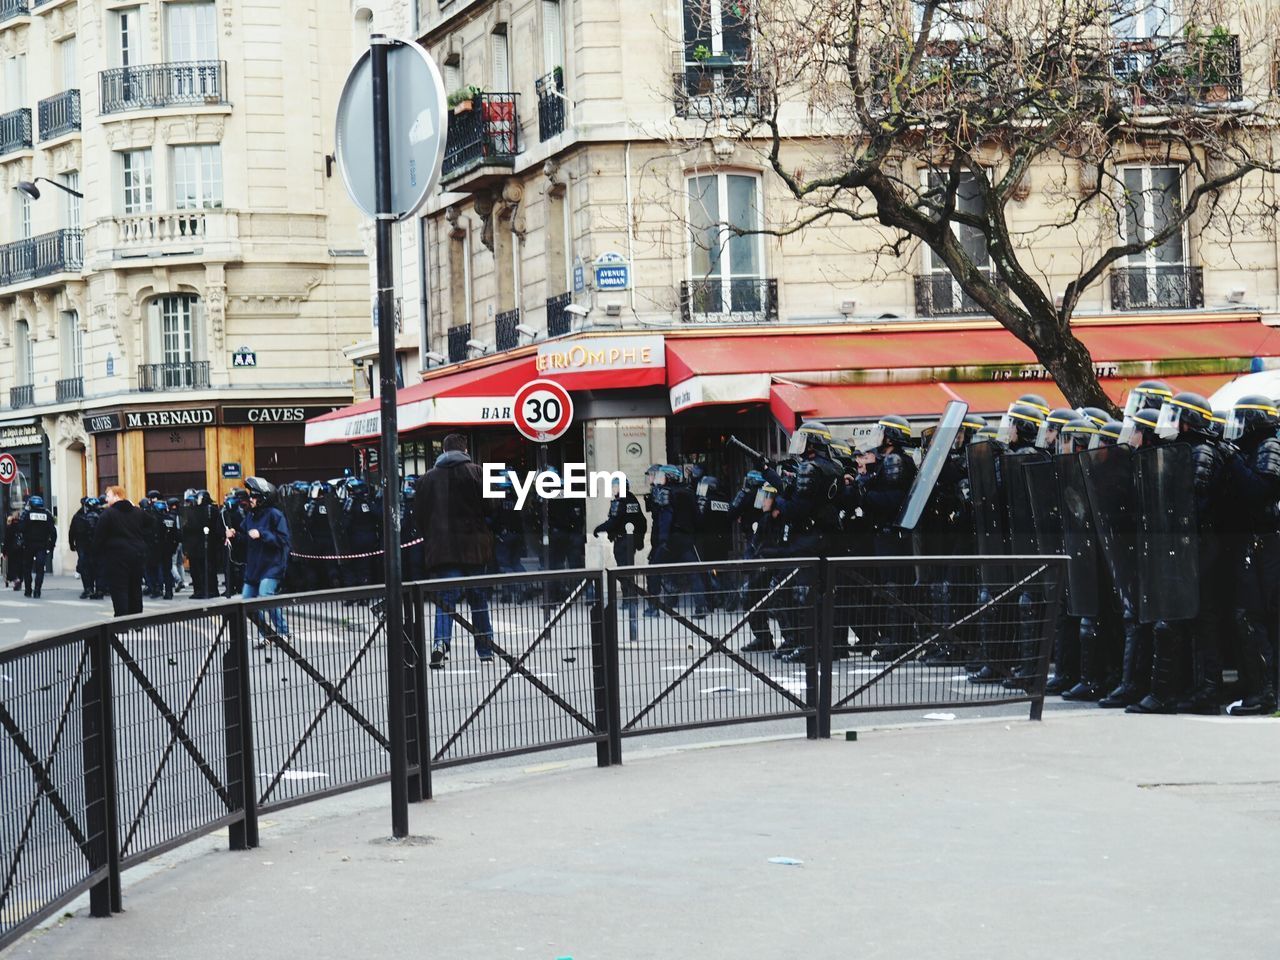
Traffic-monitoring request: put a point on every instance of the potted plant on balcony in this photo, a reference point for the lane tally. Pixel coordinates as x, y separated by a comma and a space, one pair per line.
461, 101
1214, 62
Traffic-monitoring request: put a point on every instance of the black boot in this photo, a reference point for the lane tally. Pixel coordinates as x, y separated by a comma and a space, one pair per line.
1164, 667
1206, 698
1257, 686
1131, 688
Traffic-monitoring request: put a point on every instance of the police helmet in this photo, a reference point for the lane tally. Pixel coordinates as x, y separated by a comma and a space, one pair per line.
153, 494
203, 497
1021, 421
159, 506
317, 490
1251, 416
1109, 433
668, 475
752, 480
765, 495
189, 495
707, 486
410, 486
1140, 429
1189, 410
84, 501
1147, 395
1218, 423
1035, 400
972, 425
36, 501
890, 428
1052, 426
144, 503
174, 503
1096, 414
1079, 433
810, 435
259, 488
694, 472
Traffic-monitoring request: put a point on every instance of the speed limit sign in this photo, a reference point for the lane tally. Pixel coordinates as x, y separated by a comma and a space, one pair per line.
8, 468
543, 410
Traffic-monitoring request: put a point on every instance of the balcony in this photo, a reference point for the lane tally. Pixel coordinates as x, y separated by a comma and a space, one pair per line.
482, 142
458, 337
710, 90
559, 321
59, 251
550, 104
938, 295
9, 9
187, 375
507, 336
24, 396
158, 85
738, 300
212, 233
1172, 287
15, 131
59, 114
1204, 68
72, 388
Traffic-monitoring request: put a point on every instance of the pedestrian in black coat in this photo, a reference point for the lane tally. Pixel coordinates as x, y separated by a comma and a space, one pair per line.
119, 542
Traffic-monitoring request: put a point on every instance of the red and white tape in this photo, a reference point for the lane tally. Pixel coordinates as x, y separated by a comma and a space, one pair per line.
351, 556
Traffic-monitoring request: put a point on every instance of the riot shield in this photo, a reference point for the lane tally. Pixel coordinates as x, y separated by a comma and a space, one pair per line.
1017, 499
989, 522
1079, 540
1041, 478
1168, 547
935, 458
1108, 482
334, 508
294, 506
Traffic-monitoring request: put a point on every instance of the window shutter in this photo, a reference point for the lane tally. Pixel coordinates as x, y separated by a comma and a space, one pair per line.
552, 38
452, 78
501, 77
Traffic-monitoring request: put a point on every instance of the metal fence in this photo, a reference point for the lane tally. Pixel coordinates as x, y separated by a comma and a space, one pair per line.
123, 740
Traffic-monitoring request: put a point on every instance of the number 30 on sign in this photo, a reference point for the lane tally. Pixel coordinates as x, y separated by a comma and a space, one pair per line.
543, 410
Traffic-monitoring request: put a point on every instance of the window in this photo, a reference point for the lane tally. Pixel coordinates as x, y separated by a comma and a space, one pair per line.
424, 292
24, 217
501, 63
725, 265
1157, 275
452, 76
1146, 19
552, 36
128, 34
15, 82
135, 168
717, 49
70, 204
175, 339
72, 344
67, 54
197, 177
23, 355
943, 294
192, 31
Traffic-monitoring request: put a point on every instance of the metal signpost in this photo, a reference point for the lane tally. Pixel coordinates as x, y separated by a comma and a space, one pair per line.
390, 147
542, 411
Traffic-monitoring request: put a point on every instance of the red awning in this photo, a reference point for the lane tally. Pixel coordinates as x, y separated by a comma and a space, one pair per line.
792, 403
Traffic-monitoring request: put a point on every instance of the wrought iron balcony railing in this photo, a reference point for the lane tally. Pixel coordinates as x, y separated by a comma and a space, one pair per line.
710, 90
550, 104
24, 396
15, 130
59, 114
1172, 287
14, 8
458, 337
70, 388
559, 321
185, 375
1200, 69
736, 300
507, 337
487, 134
59, 251
154, 85
939, 295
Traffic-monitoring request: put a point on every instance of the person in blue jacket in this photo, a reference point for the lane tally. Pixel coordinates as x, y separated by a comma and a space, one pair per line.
267, 534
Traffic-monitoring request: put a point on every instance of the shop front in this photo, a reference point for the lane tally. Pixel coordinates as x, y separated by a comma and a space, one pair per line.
28, 444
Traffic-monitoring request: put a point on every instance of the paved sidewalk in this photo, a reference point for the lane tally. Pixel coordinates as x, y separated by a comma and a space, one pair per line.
1094, 835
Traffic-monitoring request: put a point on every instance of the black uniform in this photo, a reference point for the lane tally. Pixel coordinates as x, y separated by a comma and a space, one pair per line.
39, 536
80, 539
203, 550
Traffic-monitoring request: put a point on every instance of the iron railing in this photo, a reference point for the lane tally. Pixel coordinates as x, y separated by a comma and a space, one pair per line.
1161, 70
507, 337
59, 251
69, 388
559, 319
59, 114
550, 89
706, 92
14, 8
1171, 287
486, 135
23, 396
939, 295
156, 85
736, 300
187, 375
458, 337
15, 130
122, 740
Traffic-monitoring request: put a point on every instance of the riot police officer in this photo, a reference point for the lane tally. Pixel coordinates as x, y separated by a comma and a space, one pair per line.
39, 537
1254, 488
202, 538
743, 510
625, 527
234, 509
361, 533
714, 531
1148, 395
412, 555
675, 524
80, 539
320, 517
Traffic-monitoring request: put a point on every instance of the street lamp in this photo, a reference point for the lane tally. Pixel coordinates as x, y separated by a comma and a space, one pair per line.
28, 188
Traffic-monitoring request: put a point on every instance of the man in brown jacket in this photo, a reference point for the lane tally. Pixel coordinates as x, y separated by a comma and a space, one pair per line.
453, 519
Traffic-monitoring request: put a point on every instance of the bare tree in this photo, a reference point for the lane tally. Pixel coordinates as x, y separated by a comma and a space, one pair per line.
1135, 120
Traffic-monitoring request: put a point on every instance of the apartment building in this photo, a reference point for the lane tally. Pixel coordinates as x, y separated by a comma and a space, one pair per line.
180, 267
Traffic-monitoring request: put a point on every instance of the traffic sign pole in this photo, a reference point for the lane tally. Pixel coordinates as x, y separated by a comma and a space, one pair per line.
393, 609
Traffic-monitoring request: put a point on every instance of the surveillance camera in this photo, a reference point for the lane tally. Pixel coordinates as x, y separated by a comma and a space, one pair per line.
437, 358
576, 310
526, 331
479, 346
